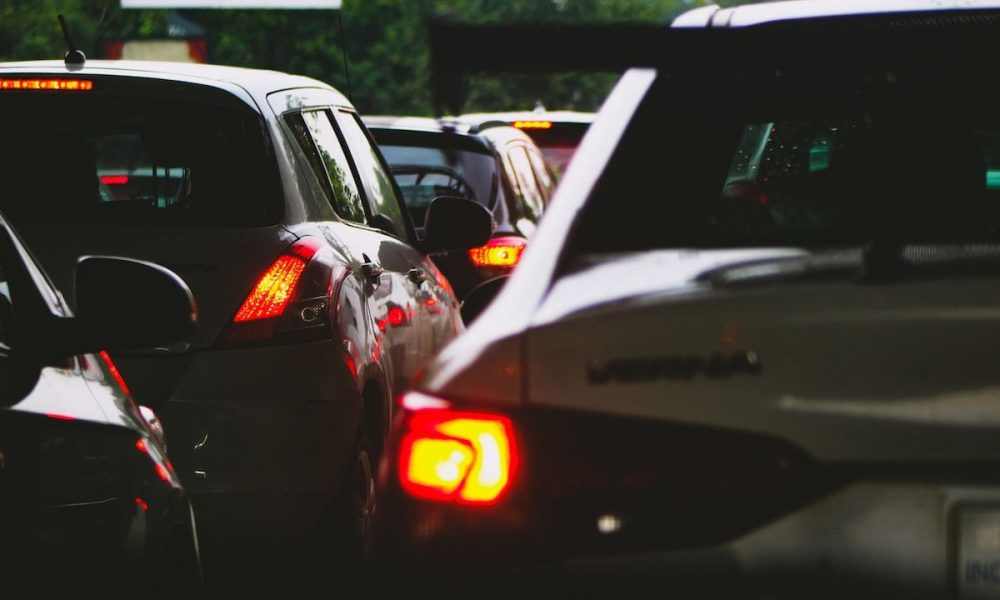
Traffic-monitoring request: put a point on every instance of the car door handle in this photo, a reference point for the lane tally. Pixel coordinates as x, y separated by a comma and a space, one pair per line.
372, 271
417, 276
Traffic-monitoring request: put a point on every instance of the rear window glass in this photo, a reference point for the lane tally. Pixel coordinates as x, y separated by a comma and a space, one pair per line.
701, 170
112, 159
426, 173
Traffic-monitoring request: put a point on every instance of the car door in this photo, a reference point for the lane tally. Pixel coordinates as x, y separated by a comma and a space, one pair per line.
435, 318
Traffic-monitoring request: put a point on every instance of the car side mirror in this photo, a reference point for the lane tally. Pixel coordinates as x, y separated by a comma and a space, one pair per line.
125, 304
454, 223
480, 297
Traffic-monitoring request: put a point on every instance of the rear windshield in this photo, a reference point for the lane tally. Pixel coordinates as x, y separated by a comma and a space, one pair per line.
425, 173
557, 141
111, 159
814, 159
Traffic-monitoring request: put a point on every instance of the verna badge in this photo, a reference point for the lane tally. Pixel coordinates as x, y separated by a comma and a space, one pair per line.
718, 365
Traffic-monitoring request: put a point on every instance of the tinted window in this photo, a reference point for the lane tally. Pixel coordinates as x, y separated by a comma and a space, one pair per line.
119, 160
376, 181
809, 167
319, 141
531, 195
426, 173
542, 174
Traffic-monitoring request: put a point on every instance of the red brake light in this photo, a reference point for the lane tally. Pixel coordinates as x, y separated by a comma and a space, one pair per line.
498, 252
273, 291
114, 179
533, 124
294, 296
47, 85
457, 456
276, 287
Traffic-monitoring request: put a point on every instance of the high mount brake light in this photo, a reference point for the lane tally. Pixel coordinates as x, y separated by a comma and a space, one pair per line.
47, 85
449, 455
533, 124
503, 252
293, 296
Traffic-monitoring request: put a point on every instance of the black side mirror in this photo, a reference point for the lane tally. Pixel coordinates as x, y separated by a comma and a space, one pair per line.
480, 297
454, 223
125, 304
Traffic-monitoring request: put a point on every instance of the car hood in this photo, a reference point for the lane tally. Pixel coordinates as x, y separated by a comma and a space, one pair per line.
812, 348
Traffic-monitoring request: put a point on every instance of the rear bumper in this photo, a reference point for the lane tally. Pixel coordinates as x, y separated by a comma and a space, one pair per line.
871, 539
259, 436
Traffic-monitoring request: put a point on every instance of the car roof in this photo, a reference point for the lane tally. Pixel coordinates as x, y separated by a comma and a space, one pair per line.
415, 123
424, 131
770, 12
493, 131
557, 116
256, 81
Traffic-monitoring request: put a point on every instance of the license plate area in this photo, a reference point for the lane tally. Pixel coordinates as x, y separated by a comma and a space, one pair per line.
978, 553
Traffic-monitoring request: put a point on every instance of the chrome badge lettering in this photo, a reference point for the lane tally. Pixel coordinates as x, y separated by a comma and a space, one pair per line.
636, 370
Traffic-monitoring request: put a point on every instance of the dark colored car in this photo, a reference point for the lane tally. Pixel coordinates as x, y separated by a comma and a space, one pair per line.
752, 352
317, 302
491, 163
90, 504
557, 133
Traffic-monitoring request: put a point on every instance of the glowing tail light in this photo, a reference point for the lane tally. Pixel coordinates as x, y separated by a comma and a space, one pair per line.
114, 179
456, 456
47, 85
502, 252
533, 124
293, 297
276, 287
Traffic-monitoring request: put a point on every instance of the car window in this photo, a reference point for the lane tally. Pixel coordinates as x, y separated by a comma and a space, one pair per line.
543, 175
374, 177
424, 173
318, 139
822, 171
149, 162
531, 195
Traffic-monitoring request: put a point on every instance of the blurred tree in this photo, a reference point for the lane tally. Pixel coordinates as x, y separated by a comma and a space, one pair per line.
385, 42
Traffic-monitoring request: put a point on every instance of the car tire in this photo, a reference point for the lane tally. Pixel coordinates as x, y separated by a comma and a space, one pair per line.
357, 506
337, 554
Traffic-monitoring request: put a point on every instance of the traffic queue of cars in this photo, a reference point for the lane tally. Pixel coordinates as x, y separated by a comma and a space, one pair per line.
749, 352
488, 162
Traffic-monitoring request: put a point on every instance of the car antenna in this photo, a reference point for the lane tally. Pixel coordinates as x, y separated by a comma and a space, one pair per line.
74, 57
343, 51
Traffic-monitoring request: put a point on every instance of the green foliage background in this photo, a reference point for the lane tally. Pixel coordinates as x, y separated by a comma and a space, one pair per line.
386, 43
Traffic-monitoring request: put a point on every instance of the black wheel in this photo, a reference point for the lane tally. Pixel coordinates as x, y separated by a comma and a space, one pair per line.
360, 506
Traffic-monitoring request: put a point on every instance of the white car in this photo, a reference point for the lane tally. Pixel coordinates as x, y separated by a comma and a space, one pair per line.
753, 348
